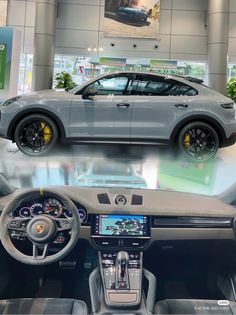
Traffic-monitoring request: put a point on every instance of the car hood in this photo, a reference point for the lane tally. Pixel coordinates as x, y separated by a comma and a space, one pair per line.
46, 93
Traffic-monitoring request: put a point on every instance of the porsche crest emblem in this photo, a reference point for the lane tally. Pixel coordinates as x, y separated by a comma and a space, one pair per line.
40, 228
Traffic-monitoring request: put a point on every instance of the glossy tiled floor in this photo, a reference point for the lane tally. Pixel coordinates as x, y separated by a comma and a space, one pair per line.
124, 166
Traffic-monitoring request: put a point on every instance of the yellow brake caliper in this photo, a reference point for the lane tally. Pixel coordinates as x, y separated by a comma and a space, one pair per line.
187, 139
47, 133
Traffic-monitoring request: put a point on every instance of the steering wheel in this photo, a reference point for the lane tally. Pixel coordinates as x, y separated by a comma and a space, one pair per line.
41, 230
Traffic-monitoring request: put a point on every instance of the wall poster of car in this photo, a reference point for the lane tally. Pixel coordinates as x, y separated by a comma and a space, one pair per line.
132, 18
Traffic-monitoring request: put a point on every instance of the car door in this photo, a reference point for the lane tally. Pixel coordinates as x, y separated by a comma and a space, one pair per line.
107, 115
160, 103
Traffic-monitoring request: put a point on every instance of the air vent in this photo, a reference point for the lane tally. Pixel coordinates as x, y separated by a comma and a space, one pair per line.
137, 200
188, 222
104, 199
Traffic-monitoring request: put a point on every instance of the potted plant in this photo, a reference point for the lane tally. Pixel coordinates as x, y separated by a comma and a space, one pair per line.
231, 89
65, 81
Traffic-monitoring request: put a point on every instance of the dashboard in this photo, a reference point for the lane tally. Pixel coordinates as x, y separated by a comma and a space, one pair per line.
48, 206
129, 218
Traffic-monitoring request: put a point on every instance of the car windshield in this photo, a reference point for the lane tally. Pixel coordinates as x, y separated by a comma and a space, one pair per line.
111, 169
106, 166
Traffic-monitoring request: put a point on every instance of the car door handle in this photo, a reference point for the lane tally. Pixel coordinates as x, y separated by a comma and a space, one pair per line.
123, 105
181, 105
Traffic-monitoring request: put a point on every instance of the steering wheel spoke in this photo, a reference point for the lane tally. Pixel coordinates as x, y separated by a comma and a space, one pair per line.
18, 224
37, 248
63, 224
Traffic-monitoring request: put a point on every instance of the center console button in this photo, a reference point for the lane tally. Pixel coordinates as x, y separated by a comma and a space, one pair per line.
123, 285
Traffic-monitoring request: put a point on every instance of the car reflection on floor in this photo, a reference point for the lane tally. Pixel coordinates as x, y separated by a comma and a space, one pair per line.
118, 166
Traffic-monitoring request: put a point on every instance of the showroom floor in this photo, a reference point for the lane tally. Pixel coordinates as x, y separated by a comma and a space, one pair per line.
129, 166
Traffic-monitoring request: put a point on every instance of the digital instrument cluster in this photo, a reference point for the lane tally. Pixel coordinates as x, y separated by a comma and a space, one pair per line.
48, 206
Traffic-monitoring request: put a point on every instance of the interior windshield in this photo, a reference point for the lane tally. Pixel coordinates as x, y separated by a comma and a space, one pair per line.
130, 169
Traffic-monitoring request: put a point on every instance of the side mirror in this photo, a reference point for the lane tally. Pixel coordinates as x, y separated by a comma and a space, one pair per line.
89, 93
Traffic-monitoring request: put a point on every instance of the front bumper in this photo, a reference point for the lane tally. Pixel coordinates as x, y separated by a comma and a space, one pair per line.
3, 131
4, 124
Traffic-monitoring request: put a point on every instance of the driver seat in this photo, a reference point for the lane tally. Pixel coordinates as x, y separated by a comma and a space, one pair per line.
206, 307
43, 306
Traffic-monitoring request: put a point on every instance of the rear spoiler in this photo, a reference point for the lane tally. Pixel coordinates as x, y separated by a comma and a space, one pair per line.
194, 80
190, 79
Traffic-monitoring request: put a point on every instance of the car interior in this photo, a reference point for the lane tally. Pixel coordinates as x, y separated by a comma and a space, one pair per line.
81, 250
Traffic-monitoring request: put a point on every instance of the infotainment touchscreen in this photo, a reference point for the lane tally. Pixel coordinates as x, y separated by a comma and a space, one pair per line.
121, 225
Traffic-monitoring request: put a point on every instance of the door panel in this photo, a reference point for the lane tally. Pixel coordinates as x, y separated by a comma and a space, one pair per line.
159, 105
106, 115
101, 117
154, 117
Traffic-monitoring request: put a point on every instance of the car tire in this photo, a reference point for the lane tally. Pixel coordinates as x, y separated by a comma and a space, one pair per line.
198, 141
27, 129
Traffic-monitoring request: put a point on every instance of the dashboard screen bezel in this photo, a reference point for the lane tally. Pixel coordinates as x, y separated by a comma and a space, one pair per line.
97, 216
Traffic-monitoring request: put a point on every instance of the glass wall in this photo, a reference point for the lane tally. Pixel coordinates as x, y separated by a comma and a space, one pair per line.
79, 67
232, 71
25, 73
82, 69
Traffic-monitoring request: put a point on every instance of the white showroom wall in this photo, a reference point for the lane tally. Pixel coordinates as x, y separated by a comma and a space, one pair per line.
183, 33
21, 15
80, 25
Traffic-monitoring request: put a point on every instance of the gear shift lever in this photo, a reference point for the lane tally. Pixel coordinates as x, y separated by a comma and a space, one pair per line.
122, 276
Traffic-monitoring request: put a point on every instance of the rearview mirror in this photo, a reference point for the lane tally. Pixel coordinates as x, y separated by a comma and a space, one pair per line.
89, 93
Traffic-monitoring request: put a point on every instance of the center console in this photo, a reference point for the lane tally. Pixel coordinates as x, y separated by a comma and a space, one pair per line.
120, 240
122, 278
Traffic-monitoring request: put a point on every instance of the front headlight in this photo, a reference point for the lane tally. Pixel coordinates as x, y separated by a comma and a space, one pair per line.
11, 100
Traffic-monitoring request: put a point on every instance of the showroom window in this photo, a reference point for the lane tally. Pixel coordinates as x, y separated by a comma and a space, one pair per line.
80, 68
232, 71
25, 73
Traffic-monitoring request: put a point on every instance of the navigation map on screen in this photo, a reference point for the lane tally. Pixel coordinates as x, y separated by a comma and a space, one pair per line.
121, 225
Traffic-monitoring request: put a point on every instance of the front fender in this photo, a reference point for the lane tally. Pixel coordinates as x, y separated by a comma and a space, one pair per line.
20, 115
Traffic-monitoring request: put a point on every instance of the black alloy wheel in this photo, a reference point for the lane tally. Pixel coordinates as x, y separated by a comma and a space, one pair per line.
198, 141
36, 135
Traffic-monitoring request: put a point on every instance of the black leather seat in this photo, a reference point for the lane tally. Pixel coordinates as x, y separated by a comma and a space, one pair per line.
195, 307
43, 306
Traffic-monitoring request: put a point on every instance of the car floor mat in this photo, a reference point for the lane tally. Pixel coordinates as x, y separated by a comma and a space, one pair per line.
51, 288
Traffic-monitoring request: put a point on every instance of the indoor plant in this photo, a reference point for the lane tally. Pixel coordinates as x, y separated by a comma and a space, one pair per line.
231, 89
65, 81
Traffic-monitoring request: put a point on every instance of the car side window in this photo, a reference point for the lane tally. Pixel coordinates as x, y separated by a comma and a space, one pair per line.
160, 86
115, 85
184, 89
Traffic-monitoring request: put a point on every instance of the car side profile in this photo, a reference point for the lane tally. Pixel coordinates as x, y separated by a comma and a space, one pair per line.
112, 174
135, 14
123, 107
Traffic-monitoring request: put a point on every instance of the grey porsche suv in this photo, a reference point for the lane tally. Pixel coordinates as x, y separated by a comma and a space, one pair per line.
124, 107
